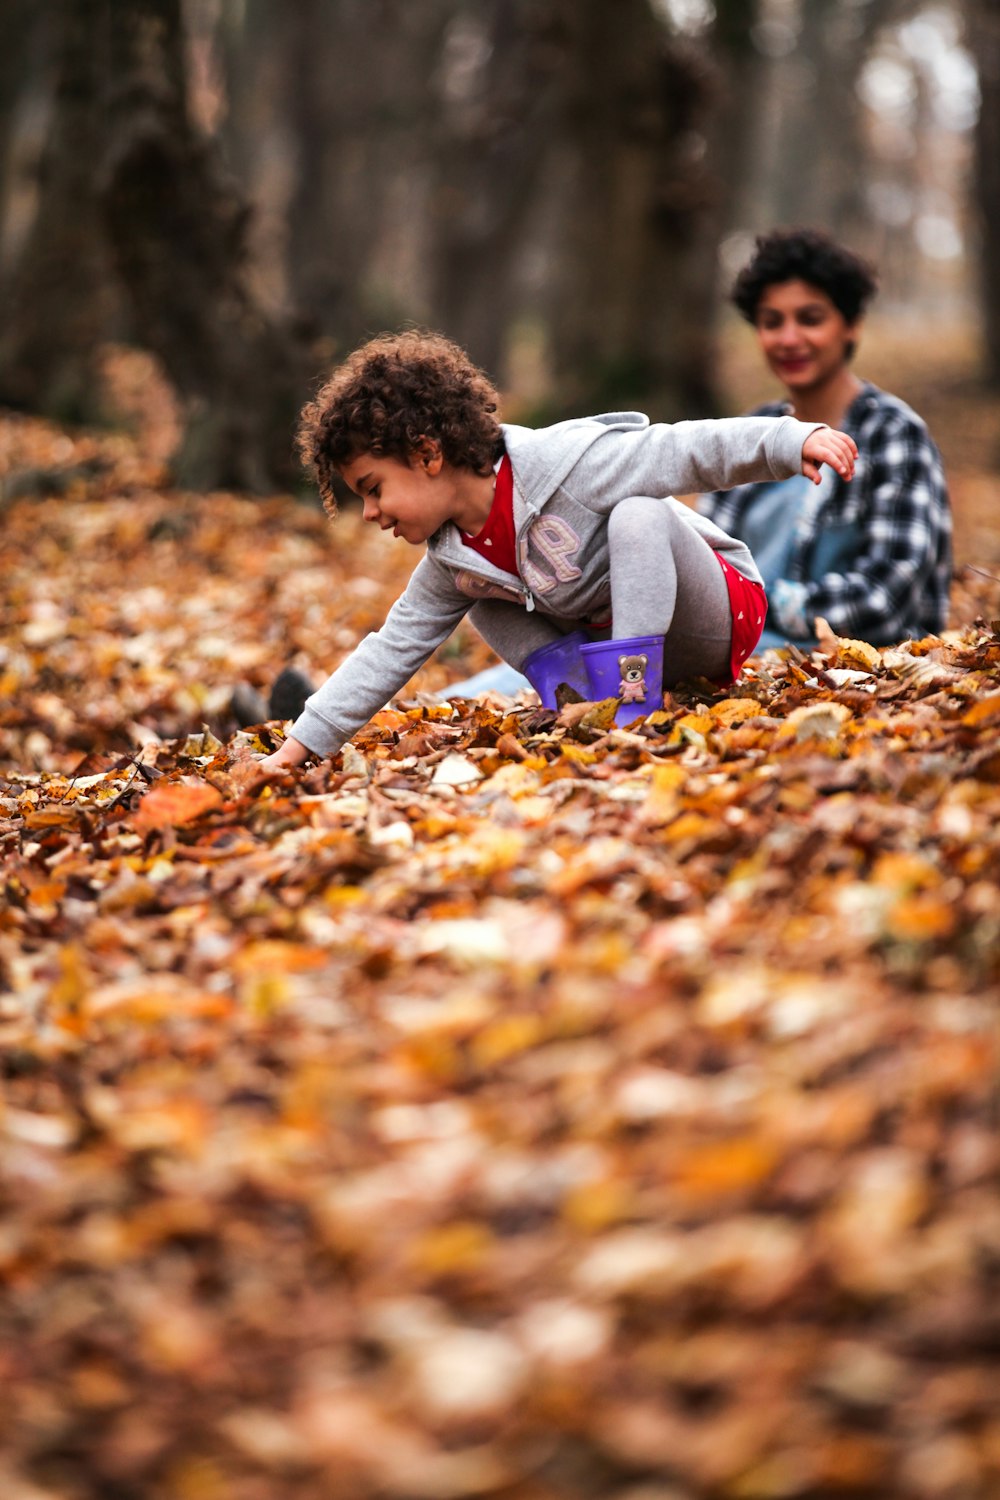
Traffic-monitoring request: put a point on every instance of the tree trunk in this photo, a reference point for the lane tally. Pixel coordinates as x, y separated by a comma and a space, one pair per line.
361, 101
629, 202
819, 174
23, 62
56, 303
178, 230
499, 88
253, 40
734, 133
984, 39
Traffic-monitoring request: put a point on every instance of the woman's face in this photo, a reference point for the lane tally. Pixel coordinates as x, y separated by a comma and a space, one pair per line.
803, 337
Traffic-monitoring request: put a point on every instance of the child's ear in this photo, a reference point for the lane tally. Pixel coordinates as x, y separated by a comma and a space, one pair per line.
427, 455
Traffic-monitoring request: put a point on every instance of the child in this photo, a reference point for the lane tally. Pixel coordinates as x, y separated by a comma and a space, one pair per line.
544, 534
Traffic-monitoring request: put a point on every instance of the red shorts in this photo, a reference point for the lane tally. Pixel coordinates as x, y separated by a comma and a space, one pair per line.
748, 603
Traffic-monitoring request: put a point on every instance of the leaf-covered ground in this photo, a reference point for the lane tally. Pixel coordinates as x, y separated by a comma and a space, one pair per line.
507, 1107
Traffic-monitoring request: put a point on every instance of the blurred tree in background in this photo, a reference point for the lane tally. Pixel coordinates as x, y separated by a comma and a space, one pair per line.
246, 188
984, 39
56, 295
177, 229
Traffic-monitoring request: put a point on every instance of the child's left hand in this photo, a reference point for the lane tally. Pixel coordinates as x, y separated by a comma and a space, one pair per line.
828, 446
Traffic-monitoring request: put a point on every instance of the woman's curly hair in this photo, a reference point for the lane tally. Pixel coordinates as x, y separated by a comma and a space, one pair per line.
805, 255
393, 391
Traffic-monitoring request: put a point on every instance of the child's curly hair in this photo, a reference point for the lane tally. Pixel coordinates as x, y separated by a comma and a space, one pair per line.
393, 391
806, 255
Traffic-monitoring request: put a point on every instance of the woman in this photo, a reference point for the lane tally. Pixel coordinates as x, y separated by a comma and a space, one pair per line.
872, 555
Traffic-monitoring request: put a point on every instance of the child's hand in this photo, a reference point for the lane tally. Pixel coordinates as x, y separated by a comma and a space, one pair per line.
828, 446
291, 752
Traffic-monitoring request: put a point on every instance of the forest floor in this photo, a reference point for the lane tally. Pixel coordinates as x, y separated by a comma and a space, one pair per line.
512, 1106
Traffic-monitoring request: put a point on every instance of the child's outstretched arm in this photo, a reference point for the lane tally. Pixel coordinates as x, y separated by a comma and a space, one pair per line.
826, 445
686, 458
422, 617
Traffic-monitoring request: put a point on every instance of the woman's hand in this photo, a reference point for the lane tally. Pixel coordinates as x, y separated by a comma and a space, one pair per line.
828, 446
290, 753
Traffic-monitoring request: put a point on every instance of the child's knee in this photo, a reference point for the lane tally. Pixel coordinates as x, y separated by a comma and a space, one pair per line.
635, 522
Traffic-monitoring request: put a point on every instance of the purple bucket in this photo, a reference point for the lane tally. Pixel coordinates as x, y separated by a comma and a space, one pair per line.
631, 670
550, 666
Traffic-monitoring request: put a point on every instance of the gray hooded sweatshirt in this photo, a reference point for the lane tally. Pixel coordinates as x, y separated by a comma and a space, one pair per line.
567, 480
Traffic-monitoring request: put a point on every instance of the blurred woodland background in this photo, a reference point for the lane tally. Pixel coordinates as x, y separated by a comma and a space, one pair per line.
244, 188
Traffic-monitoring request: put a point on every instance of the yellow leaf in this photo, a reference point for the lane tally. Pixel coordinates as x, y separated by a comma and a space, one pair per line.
661, 801
460, 1246
505, 1038
343, 896
517, 779
353, 762
580, 755
735, 710
265, 993
601, 716
858, 654
71, 987
696, 723
455, 770
593, 1206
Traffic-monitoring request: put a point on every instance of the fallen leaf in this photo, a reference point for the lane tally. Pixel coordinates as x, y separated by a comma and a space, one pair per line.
175, 803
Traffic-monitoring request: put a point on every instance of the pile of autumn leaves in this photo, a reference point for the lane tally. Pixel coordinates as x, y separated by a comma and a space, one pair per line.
514, 1105
517, 1105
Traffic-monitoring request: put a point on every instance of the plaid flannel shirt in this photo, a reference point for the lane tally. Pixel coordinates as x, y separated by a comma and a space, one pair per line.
898, 581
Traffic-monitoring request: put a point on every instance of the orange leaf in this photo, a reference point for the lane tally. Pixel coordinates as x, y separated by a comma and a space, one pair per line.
979, 713
285, 958
50, 817
921, 918
156, 998
905, 872
180, 802
720, 1167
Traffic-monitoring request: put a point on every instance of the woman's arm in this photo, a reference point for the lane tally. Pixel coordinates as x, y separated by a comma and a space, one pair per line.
905, 536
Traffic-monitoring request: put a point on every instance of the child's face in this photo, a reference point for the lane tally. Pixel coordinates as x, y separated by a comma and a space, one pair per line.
409, 499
